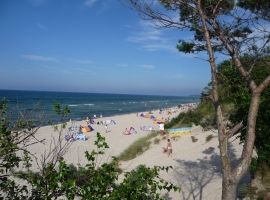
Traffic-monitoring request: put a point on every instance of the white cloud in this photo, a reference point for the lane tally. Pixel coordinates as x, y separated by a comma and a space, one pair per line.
89, 2
41, 26
81, 61
155, 47
148, 66
150, 38
39, 58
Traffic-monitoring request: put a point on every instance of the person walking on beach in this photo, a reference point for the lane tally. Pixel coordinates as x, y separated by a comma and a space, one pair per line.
106, 127
161, 129
169, 147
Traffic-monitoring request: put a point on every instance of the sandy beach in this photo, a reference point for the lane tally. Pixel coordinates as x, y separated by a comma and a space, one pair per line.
196, 165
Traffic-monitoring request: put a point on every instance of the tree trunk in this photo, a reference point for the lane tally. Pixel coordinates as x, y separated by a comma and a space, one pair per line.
228, 189
229, 183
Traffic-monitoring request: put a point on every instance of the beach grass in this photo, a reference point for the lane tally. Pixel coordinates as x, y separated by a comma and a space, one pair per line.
209, 137
138, 147
156, 141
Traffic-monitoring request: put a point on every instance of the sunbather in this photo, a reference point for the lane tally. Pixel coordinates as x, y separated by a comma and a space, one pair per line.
126, 132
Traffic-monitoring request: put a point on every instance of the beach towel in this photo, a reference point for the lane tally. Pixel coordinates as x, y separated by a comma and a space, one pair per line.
147, 128
133, 131
79, 137
73, 128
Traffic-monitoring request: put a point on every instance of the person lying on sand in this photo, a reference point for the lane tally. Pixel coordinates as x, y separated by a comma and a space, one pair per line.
126, 132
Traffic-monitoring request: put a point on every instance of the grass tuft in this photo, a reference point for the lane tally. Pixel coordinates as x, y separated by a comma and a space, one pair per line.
209, 137
156, 141
194, 139
138, 147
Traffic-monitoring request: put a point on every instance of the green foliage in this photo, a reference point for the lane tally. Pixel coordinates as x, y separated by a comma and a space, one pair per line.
14, 137
57, 179
185, 47
259, 7
143, 183
203, 115
235, 98
242, 100
247, 191
63, 113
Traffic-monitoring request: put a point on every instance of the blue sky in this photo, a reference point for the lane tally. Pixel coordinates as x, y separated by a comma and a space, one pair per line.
92, 46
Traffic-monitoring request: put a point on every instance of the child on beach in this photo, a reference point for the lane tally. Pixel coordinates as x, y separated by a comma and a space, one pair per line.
168, 150
169, 147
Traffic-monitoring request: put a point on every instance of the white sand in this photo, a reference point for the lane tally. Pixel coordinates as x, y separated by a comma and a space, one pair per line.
196, 166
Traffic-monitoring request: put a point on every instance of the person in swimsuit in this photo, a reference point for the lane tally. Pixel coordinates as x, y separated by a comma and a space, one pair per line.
80, 129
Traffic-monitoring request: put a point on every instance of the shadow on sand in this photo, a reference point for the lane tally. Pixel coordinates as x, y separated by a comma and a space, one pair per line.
193, 176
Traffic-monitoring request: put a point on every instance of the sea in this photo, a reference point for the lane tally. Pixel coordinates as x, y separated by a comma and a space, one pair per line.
82, 105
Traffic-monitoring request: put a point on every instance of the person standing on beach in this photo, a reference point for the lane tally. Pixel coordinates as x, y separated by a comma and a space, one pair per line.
80, 129
106, 127
100, 115
169, 147
161, 129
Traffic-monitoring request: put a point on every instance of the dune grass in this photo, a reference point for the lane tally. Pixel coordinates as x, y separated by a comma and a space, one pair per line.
138, 147
156, 141
209, 137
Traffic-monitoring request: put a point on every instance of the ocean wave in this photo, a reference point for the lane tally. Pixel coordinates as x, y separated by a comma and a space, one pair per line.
72, 105
89, 104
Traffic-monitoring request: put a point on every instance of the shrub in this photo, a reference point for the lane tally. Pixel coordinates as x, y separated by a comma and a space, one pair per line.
209, 137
